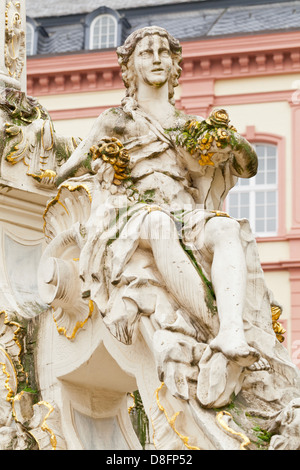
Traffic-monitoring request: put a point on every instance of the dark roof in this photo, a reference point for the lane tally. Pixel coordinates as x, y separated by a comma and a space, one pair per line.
69, 38
50, 8
249, 19
184, 19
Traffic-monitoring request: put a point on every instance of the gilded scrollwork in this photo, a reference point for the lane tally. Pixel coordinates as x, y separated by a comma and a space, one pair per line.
29, 137
167, 425
11, 371
70, 314
223, 419
23, 424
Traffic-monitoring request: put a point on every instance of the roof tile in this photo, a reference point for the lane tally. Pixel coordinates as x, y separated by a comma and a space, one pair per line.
42, 9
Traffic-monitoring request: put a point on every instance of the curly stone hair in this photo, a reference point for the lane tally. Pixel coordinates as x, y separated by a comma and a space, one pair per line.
125, 59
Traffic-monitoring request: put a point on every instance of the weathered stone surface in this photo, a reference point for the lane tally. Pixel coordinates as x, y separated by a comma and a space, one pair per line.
146, 283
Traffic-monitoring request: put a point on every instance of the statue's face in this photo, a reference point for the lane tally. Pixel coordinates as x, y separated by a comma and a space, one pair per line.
152, 60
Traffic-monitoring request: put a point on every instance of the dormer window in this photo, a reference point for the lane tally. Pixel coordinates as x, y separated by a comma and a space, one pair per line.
29, 39
104, 28
31, 36
103, 32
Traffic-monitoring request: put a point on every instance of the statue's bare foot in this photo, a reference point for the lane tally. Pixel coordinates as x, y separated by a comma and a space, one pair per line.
235, 349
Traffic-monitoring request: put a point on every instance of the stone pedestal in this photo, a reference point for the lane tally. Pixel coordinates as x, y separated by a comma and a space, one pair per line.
13, 44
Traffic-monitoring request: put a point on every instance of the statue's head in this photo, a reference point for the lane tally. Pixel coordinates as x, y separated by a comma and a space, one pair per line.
128, 61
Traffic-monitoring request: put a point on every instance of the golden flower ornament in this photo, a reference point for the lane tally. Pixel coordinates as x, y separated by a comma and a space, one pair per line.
112, 151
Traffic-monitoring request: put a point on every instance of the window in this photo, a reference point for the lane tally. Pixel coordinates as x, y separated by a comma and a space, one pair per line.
103, 32
29, 39
105, 28
256, 199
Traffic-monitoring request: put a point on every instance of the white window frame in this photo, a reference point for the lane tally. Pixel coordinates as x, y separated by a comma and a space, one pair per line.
29, 45
252, 188
92, 28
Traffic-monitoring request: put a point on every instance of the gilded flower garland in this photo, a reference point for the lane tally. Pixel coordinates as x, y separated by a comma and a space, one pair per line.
112, 151
198, 137
277, 327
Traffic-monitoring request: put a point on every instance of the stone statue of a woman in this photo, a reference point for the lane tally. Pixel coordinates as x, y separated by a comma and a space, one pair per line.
156, 242
179, 184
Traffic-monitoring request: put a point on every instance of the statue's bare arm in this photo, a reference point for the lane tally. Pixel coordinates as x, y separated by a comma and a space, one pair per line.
81, 155
213, 141
243, 158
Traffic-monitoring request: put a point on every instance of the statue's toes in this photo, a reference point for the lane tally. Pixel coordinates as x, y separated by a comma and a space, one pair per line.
248, 358
261, 364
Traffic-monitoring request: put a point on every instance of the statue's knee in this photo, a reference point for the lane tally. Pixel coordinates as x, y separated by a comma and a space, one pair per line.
221, 228
158, 224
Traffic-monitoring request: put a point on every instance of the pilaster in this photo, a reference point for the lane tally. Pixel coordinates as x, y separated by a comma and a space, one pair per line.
295, 306
294, 235
197, 95
295, 110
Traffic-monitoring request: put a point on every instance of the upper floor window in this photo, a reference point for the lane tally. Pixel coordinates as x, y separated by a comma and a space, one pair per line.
103, 32
256, 199
29, 39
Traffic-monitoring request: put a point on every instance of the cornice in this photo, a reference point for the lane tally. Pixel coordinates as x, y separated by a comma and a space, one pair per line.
258, 55
236, 57
268, 42
281, 265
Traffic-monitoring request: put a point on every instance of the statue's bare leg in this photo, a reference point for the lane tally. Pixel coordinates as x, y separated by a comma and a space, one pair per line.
229, 279
160, 235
